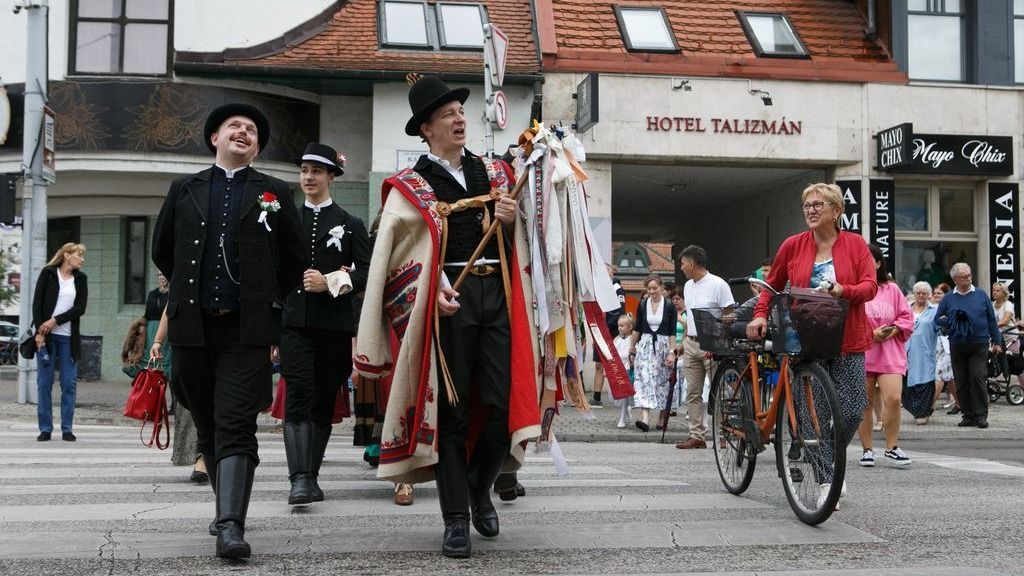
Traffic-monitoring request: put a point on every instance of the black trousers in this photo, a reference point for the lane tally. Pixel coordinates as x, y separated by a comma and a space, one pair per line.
225, 384
477, 347
315, 363
970, 371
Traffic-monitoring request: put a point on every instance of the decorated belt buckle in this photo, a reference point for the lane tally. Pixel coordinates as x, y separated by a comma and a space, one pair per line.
443, 208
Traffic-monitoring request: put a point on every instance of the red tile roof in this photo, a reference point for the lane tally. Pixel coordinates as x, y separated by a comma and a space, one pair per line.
348, 40
584, 36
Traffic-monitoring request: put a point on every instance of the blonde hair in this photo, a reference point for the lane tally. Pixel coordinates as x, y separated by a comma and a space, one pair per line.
63, 251
830, 193
1002, 287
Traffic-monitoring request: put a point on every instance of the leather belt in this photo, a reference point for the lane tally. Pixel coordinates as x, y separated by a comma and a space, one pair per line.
218, 311
479, 269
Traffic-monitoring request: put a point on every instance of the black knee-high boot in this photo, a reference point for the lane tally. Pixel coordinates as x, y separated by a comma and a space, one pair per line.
321, 436
234, 487
298, 447
484, 468
453, 493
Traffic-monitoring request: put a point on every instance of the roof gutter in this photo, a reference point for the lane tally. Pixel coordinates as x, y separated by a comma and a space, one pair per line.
209, 68
871, 32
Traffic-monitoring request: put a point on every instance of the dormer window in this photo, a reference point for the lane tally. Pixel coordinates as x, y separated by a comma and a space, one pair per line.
443, 26
772, 35
645, 29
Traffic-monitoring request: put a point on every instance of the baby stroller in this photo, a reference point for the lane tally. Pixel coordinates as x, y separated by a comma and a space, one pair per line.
1003, 368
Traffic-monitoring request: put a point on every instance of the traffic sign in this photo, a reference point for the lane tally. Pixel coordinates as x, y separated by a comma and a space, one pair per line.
497, 110
497, 48
49, 146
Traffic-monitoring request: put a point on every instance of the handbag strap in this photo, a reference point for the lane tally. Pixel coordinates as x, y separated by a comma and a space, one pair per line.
160, 422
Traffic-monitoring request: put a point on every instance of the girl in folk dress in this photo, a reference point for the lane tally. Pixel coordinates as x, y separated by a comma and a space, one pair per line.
622, 343
654, 345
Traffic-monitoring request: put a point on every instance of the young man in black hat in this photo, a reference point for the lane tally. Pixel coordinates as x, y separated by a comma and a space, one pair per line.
443, 207
229, 240
316, 346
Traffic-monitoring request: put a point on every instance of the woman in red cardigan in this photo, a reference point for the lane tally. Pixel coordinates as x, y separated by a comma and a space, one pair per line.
827, 258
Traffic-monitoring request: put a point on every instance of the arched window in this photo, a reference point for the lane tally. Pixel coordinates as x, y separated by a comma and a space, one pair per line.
631, 258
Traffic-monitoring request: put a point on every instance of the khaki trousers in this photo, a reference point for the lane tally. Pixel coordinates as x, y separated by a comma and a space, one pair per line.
695, 369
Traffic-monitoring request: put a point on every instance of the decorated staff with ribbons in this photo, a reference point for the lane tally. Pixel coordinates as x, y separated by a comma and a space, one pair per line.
316, 346
463, 398
229, 240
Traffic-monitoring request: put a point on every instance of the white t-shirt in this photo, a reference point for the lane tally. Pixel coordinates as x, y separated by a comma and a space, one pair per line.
1007, 308
65, 300
622, 347
709, 292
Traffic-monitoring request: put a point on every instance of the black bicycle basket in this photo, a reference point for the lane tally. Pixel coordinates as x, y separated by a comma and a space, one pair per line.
713, 330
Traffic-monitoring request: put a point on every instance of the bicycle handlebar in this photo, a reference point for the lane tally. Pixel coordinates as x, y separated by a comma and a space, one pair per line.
740, 280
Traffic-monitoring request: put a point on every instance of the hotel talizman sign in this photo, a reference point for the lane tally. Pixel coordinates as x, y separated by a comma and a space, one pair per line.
781, 127
900, 149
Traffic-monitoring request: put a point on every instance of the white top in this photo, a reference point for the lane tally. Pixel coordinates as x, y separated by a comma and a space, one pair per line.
65, 300
709, 292
654, 317
622, 346
456, 173
1007, 308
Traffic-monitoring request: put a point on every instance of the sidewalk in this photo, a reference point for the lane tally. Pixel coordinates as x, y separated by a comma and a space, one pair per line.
101, 403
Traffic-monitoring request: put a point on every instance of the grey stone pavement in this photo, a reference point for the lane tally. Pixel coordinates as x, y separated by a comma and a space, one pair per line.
106, 505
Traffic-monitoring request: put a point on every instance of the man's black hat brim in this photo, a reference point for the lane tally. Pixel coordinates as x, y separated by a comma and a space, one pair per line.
222, 113
412, 127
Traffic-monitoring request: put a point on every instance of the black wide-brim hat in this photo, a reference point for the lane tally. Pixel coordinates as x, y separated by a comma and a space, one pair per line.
323, 154
222, 113
428, 94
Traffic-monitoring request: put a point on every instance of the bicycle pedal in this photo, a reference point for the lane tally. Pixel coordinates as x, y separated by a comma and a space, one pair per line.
796, 474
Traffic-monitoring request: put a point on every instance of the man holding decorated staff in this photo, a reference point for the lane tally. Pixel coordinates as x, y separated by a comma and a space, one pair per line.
464, 396
316, 345
229, 240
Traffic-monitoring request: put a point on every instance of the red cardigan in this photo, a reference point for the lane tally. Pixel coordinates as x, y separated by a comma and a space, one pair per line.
855, 271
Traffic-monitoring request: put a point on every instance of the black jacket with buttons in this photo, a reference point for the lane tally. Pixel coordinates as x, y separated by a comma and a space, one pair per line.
465, 228
270, 262
321, 310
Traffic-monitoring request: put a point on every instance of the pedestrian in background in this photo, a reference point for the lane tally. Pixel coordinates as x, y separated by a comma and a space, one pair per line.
943, 363
653, 348
967, 315
885, 363
919, 389
622, 342
61, 294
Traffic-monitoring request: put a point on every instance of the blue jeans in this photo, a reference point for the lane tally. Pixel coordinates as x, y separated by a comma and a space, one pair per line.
60, 359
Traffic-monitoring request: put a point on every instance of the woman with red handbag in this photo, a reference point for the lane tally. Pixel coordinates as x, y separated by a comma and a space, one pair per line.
60, 297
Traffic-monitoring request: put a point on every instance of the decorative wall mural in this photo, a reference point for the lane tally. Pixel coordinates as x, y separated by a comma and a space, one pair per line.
171, 119
80, 125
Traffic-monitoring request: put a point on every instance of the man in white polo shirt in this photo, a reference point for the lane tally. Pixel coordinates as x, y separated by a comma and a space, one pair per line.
702, 290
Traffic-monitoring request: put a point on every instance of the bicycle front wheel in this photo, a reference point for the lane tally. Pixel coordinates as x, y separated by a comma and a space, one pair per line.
809, 453
732, 419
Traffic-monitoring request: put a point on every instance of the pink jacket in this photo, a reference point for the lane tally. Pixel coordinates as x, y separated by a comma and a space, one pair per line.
889, 306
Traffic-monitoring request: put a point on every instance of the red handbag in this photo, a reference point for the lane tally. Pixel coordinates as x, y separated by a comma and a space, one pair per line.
147, 401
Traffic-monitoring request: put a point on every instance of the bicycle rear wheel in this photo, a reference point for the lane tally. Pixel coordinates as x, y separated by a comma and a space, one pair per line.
809, 453
732, 420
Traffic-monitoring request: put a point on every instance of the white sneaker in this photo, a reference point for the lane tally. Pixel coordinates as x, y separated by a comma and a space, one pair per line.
842, 493
867, 458
897, 457
621, 424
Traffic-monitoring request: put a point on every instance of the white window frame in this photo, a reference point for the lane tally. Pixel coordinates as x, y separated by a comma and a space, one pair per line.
1018, 40
933, 233
443, 41
755, 42
627, 39
428, 25
937, 9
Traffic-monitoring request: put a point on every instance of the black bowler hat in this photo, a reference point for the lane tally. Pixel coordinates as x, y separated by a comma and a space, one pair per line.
428, 93
323, 154
222, 113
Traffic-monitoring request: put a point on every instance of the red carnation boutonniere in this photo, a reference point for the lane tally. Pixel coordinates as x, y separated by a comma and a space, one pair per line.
268, 203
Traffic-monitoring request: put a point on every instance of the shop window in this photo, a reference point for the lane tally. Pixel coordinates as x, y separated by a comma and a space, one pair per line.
1018, 40
935, 36
631, 258
124, 37
645, 29
134, 238
461, 25
404, 24
935, 228
60, 231
772, 35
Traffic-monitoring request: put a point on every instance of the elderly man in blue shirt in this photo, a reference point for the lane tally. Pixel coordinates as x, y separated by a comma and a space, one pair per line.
968, 319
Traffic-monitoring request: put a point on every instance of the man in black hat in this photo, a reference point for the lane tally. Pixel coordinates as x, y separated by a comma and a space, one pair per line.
316, 346
229, 240
474, 325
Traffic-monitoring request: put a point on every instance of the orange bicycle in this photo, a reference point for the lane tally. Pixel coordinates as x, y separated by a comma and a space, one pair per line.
773, 391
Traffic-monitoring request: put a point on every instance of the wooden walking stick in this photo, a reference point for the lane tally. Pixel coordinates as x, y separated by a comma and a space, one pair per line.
667, 412
487, 236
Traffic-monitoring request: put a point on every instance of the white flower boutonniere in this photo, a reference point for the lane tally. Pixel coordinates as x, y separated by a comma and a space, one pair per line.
336, 233
268, 203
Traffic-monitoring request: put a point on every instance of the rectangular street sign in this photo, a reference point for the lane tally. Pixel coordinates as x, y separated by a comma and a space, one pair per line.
49, 146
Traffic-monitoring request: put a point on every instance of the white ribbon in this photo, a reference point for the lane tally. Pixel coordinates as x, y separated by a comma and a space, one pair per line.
263, 220
336, 236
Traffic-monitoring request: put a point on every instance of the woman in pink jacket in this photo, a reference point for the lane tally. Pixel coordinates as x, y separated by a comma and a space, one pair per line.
892, 323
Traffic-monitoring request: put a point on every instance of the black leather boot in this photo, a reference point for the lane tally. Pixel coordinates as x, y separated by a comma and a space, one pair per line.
453, 493
211, 470
298, 446
484, 468
505, 486
321, 436
234, 487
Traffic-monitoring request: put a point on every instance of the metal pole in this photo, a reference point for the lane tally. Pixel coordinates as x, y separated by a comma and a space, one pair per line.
33, 239
488, 94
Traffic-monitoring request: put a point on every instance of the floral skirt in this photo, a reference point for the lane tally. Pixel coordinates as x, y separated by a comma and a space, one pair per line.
651, 373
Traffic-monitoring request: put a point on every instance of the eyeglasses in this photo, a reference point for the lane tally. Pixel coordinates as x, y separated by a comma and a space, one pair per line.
815, 206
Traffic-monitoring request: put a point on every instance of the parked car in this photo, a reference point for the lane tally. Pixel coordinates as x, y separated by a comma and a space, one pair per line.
8, 343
